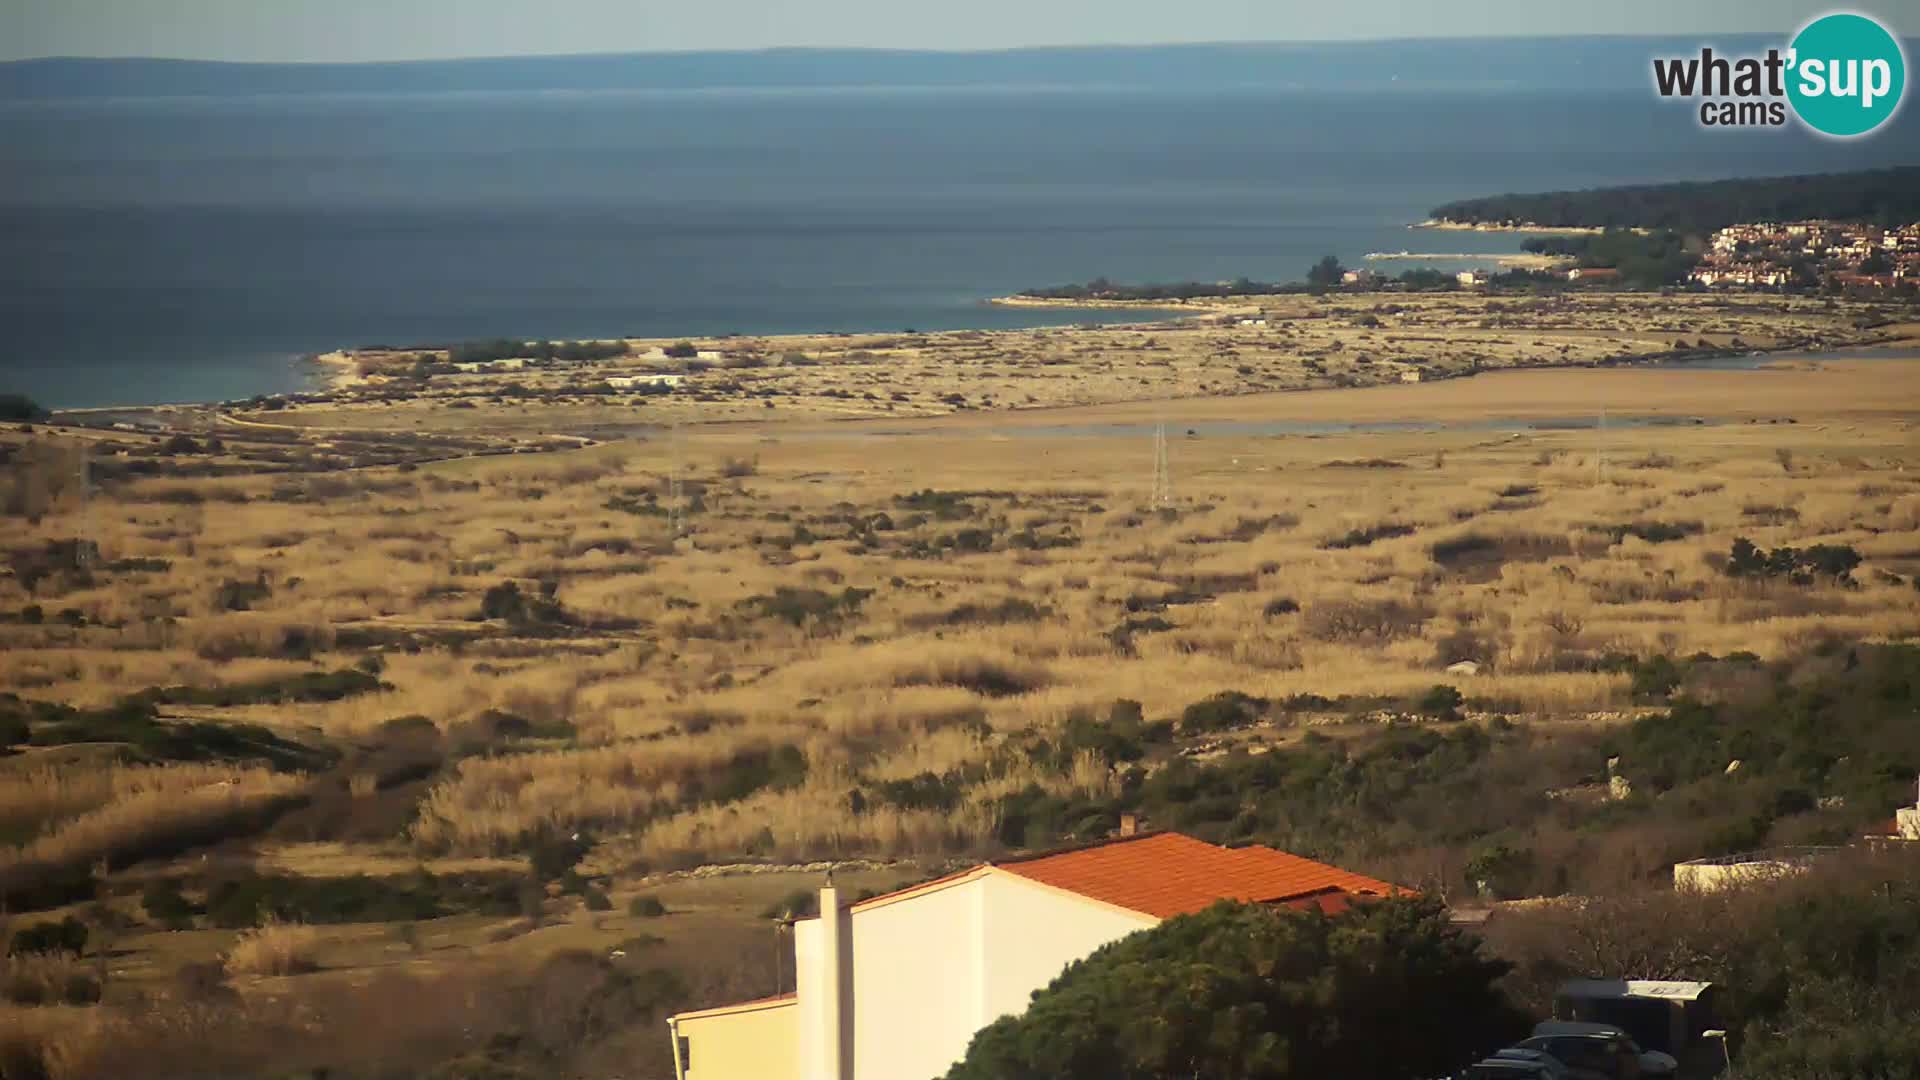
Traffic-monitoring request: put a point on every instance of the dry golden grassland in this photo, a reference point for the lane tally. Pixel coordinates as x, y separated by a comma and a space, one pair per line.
859, 604
674, 668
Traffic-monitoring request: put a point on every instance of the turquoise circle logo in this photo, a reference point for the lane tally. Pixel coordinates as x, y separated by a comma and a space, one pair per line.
1847, 75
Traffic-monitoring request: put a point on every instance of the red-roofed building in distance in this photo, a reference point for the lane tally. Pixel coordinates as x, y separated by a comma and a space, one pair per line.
893, 988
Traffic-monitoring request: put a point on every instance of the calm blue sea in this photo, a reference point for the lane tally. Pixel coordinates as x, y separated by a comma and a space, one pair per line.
191, 249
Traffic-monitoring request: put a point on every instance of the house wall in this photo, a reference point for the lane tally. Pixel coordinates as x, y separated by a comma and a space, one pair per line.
915, 969
1033, 933
929, 971
916, 983
758, 1044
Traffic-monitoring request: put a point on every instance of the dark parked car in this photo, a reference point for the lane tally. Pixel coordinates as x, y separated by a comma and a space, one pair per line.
1599, 1052
1518, 1065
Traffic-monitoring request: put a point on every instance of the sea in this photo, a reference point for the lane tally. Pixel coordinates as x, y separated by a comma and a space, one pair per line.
195, 249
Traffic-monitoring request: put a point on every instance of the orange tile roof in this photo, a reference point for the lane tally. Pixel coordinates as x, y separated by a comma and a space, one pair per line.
1167, 874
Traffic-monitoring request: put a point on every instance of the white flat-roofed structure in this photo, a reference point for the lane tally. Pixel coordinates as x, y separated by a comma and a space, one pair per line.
628, 382
1746, 868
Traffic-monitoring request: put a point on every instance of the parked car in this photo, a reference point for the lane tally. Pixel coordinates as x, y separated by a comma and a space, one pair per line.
1599, 1052
1518, 1065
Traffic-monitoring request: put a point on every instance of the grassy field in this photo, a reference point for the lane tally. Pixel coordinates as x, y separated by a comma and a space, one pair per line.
872, 639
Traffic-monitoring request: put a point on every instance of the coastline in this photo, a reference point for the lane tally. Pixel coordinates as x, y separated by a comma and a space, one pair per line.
1521, 261
1176, 307
339, 369
1438, 337
1438, 225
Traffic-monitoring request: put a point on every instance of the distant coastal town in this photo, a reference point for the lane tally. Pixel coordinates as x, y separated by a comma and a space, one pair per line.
1812, 253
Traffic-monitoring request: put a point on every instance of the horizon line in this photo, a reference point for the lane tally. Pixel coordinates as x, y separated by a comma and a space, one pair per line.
875, 49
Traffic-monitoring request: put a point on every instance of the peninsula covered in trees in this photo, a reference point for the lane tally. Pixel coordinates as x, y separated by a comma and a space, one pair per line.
1877, 196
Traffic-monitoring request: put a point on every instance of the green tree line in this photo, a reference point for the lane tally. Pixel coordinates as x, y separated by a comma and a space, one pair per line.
1876, 196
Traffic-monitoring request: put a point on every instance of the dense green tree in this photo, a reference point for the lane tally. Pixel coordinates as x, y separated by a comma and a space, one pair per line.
1326, 272
1384, 990
1879, 196
20, 407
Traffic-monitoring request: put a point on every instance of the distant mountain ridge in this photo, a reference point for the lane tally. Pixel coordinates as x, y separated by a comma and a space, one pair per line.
1535, 64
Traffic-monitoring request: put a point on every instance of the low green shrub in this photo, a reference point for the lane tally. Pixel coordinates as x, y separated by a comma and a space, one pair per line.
1365, 536
255, 899
1227, 709
798, 607
1442, 702
69, 935
165, 905
135, 722
1801, 566
798, 904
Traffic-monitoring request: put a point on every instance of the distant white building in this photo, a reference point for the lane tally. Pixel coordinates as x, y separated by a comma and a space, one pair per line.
1593, 273
628, 382
660, 353
513, 364
1471, 277
1747, 868
1748, 273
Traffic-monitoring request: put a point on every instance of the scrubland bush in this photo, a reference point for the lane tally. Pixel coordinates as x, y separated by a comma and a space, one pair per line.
274, 948
49, 978
1366, 535
1364, 622
1228, 709
67, 937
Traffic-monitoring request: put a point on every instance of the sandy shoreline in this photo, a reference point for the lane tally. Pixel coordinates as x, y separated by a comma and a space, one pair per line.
341, 370
1543, 230
1473, 226
1175, 307
1522, 261
1199, 347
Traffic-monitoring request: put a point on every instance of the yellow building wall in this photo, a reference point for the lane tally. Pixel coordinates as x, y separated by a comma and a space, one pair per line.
758, 1044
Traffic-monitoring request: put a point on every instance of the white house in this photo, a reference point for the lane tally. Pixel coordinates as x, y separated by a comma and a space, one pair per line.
893, 988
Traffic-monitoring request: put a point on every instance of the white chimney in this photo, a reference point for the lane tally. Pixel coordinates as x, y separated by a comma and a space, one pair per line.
834, 991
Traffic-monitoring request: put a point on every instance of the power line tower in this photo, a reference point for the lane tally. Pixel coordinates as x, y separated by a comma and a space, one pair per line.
1600, 449
676, 491
86, 546
1162, 476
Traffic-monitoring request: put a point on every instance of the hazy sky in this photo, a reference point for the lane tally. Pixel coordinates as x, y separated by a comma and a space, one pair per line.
399, 29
